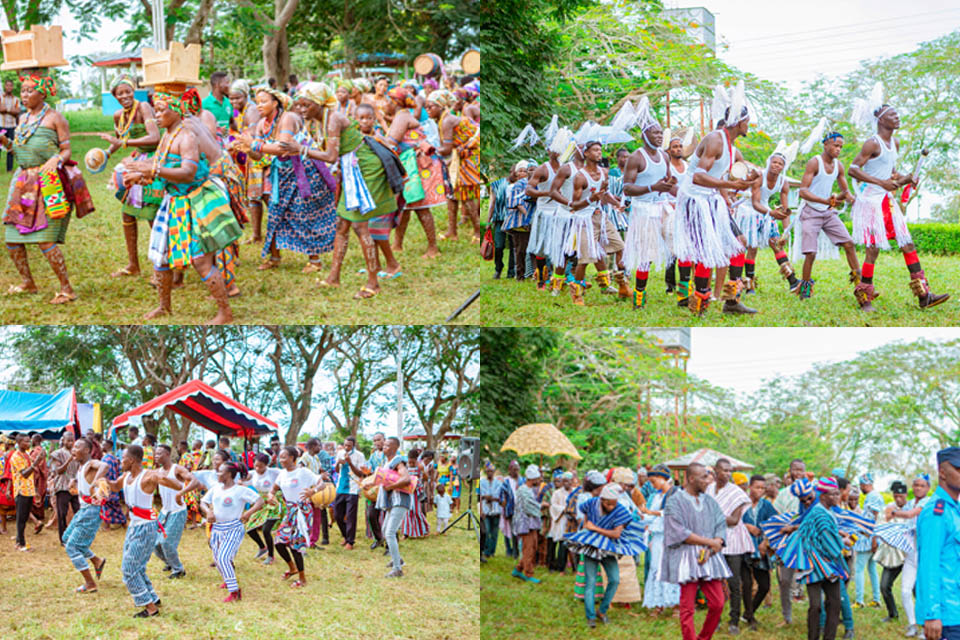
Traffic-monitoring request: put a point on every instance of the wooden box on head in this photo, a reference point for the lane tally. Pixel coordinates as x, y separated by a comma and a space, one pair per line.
38, 47
178, 64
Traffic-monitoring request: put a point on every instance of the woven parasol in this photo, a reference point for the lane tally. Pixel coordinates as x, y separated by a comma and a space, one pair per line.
542, 438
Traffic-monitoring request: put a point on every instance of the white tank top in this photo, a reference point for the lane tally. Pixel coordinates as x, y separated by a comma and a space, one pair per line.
135, 497
546, 204
680, 175
83, 487
168, 496
766, 192
882, 166
566, 189
822, 184
655, 171
593, 186
721, 166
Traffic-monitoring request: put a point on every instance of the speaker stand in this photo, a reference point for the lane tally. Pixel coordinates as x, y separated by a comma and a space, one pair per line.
473, 523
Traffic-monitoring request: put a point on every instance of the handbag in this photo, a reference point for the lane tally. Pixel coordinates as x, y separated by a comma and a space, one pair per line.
486, 246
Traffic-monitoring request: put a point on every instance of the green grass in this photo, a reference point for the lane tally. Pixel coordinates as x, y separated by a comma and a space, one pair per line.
89, 121
511, 303
426, 293
346, 595
515, 610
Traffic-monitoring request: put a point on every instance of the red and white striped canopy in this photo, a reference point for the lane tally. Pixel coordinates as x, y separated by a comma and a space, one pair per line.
202, 404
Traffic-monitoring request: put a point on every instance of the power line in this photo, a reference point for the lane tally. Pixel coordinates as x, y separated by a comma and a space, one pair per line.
846, 42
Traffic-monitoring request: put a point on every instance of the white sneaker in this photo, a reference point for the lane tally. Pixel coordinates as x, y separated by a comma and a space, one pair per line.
912, 631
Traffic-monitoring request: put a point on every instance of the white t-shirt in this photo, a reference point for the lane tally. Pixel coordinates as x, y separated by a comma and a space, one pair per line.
263, 483
207, 477
443, 503
292, 483
229, 504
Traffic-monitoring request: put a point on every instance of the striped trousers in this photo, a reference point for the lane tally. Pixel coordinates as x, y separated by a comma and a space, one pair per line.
225, 539
137, 545
79, 536
166, 548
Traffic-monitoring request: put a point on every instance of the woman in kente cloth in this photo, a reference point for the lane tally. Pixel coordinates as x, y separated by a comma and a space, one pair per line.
41, 146
195, 221
379, 99
425, 169
345, 105
459, 138
302, 214
257, 170
245, 113
135, 126
360, 94
365, 193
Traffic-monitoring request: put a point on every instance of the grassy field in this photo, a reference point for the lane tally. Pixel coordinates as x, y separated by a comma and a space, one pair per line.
511, 303
522, 611
346, 595
426, 293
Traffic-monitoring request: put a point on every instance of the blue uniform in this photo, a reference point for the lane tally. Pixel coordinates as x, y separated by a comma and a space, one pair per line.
938, 573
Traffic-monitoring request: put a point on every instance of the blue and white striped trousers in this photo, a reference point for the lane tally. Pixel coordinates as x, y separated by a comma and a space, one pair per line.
79, 536
166, 549
225, 539
137, 548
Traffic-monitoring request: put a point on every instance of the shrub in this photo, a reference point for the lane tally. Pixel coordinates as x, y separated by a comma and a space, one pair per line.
940, 238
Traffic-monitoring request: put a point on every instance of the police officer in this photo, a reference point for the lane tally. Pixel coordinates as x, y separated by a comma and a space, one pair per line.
938, 548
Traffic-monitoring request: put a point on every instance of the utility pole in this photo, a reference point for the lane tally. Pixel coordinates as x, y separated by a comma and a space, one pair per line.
396, 334
159, 25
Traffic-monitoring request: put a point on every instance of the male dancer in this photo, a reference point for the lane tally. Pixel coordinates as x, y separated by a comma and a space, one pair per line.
86, 522
138, 486
586, 236
646, 179
173, 514
875, 168
819, 214
704, 231
376, 460
678, 169
546, 207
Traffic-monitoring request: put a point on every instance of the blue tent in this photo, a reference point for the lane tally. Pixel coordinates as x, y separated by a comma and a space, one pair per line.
48, 415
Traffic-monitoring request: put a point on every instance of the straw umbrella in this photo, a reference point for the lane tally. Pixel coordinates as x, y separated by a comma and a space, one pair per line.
542, 438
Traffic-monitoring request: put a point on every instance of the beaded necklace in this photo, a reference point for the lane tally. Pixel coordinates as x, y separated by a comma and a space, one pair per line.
27, 128
273, 123
165, 145
123, 130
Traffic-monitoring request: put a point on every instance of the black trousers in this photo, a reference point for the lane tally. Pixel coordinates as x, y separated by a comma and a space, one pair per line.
519, 240
736, 563
345, 514
373, 519
556, 554
24, 505
65, 500
887, 579
8, 131
831, 594
748, 573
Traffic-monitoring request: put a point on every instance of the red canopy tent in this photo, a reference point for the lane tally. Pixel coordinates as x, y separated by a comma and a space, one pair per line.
203, 405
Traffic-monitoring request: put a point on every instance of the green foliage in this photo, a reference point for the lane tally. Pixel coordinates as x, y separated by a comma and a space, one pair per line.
938, 238
89, 121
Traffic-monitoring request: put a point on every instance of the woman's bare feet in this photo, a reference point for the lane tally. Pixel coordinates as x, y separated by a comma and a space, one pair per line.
156, 313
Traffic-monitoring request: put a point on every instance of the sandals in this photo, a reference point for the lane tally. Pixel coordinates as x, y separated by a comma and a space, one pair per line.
63, 298
365, 294
85, 589
312, 267
383, 275
323, 284
297, 584
99, 570
37, 529
287, 574
125, 271
17, 289
269, 263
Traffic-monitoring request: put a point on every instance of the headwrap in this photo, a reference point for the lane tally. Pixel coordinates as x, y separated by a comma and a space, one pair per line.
838, 473
771, 477
739, 478
489, 466
567, 475
177, 97
344, 82
191, 102
557, 473
801, 488
660, 470
42, 83
430, 84
240, 86
123, 79
318, 92
898, 486
854, 491
622, 475
826, 484
532, 472
595, 477
867, 478
284, 100
466, 93
923, 476
363, 84
443, 98
951, 455
611, 491
402, 97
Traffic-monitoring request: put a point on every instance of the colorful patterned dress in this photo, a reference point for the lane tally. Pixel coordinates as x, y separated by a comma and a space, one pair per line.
110, 511
26, 218
139, 201
191, 462
415, 523
303, 216
428, 167
195, 220
464, 170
